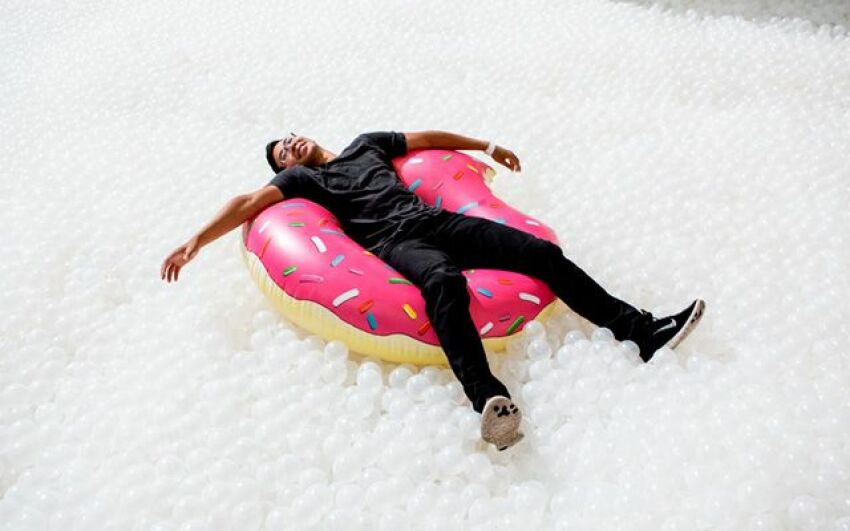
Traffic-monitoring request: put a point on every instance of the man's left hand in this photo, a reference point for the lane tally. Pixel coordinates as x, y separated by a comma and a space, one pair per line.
506, 158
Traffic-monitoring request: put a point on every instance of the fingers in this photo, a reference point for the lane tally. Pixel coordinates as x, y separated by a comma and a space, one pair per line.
166, 264
515, 166
170, 269
165, 271
172, 272
510, 161
176, 260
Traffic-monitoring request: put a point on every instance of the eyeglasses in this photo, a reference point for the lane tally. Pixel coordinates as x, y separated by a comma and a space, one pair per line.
284, 150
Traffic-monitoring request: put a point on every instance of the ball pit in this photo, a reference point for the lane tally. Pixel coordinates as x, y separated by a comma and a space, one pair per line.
700, 150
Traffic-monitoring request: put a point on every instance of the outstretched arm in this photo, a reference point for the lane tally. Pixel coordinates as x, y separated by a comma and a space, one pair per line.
232, 215
444, 140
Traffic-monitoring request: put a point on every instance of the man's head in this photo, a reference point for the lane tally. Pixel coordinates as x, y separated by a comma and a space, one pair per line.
295, 150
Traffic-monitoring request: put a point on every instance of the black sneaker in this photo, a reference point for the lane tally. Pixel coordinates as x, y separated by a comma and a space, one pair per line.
668, 331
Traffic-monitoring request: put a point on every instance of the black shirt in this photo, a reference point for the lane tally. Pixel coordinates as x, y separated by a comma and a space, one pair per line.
361, 189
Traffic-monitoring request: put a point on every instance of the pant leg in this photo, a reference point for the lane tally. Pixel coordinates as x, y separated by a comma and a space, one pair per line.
482, 243
444, 289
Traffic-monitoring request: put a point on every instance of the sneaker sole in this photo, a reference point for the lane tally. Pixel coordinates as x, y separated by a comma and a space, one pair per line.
500, 423
690, 324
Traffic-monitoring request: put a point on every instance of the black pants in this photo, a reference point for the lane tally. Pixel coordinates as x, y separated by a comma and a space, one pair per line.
432, 255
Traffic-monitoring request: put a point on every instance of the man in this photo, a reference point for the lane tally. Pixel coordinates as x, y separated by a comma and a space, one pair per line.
431, 246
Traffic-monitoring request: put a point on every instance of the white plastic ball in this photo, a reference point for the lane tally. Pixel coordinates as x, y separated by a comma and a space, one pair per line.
360, 404
602, 335
534, 329
539, 349
806, 512
336, 350
398, 376
370, 378
416, 385
573, 336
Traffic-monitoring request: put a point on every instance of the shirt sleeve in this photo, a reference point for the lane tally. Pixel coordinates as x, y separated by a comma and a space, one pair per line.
290, 182
392, 143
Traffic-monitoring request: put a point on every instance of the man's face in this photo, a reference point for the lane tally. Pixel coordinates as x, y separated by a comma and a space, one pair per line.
294, 150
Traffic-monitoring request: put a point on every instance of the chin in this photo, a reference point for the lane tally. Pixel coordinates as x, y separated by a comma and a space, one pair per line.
312, 153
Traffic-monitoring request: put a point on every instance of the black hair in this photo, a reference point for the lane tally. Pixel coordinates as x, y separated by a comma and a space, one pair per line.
270, 156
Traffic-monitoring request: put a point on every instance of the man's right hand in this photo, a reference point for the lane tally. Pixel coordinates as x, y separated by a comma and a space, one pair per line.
232, 215
177, 259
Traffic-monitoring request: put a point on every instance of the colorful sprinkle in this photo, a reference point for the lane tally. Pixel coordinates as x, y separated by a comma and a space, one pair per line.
415, 160
373, 324
266, 224
367, 253
263, 250
296, 223
486, 328
424, 328
355, 271
342, 297
515, 324
505, 281
467, 206
332, 231
438, 185
395, 280
457, 175
324, 221
294, 213
485, 292
439, 201
289, 270
337, 259
530, 222
365, 306
293, 205
311, 278
500, 220
447, 157
504, 317
409, 311
320, 245
473, 168
529, 297
495, 205
414, 185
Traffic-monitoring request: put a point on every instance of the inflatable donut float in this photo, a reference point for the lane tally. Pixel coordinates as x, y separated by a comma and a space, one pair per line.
326, 283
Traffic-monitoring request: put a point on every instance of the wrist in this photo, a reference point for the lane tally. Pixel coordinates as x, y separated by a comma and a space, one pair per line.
491, 147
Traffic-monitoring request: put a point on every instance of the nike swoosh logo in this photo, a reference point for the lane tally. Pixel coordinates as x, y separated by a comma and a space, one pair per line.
663, 328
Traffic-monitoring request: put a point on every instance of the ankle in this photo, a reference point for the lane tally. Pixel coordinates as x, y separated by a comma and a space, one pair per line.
630, 324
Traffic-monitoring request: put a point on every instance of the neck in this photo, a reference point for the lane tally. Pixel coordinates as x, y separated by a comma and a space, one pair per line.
327, 156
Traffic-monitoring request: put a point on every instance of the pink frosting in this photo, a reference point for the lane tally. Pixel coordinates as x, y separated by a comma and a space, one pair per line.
306, 253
